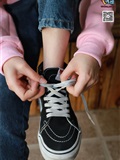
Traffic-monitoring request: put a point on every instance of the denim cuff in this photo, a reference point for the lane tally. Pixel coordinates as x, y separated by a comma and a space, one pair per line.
57, 14
56, 24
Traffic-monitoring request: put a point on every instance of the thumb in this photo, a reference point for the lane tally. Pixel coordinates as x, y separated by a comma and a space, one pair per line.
66, 74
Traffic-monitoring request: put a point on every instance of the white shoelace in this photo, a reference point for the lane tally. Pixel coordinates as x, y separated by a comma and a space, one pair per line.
57, 106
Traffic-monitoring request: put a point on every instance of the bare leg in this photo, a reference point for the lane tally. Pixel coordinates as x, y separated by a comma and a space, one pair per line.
55, 43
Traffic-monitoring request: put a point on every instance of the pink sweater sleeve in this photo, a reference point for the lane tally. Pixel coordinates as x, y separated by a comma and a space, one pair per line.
96, 39
10, 45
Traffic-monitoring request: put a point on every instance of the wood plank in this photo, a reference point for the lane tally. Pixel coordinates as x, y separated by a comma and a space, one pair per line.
79, 104
82, 107
34, 108
93, 97
105, 76
116, 27
113, 99
67, 56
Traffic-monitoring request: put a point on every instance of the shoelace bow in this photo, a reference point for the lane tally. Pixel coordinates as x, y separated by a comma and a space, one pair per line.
57, 106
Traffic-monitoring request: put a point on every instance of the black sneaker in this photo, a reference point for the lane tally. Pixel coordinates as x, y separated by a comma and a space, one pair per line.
59, 135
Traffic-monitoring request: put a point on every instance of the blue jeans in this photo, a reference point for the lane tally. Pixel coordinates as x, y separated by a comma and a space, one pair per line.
14, 113
56, 16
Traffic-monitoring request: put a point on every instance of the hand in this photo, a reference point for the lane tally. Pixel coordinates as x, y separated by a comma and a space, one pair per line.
85, 69
22, 79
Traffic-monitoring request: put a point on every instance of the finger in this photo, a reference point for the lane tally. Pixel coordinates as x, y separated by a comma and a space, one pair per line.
26, 93
32, 91
78, 87
67, 73
40, 93
90, 84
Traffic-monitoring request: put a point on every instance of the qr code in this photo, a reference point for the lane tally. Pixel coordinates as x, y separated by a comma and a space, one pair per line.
107, 16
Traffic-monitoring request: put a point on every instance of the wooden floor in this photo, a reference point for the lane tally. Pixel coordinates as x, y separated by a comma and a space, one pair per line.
106, 93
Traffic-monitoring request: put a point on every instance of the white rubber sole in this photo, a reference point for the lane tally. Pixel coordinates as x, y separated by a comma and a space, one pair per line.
49, 154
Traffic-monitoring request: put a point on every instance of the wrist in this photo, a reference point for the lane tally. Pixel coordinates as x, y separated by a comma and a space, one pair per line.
10, 62
94, 57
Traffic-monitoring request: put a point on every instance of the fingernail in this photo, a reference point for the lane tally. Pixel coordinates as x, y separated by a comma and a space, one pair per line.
42, 80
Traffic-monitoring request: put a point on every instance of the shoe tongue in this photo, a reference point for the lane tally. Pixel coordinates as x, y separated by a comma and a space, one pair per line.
52, 75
